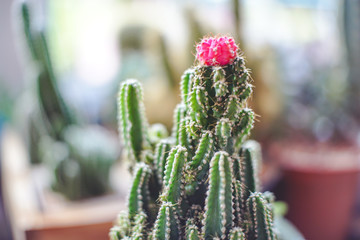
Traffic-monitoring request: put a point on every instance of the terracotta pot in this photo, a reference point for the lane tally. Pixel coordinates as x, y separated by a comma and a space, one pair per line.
319, 184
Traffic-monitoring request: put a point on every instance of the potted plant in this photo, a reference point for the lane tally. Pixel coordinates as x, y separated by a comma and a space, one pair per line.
201, 182
80, 155
319, 156
319, 184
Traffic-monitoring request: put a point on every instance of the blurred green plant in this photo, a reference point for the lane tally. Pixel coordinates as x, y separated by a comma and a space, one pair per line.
6, 103
322, 92
79, 155
351, 28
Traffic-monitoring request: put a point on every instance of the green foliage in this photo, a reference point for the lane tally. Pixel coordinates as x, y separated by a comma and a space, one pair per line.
261, 216
203, 179
80, 165
351, 36
56, 113
79, 156
132, 120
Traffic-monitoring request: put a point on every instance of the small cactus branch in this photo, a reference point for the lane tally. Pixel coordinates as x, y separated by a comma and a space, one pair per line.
198, 104
174, 175
179, 117
223, 131
250, 167
233, 108
132, 121
138, 231
183, 134
198, 167
244, 126
161, 153
261, 217
239, 201
203, 152
186, 85
122, 229
167, 225
139, 193
218, 206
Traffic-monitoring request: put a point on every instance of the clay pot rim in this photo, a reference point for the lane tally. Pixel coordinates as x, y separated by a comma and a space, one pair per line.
314, 170
284, 154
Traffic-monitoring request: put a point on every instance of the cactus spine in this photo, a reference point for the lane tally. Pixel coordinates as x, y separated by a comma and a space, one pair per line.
206, 172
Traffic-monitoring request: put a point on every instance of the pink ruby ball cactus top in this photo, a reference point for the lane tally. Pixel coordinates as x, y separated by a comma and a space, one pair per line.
216, 51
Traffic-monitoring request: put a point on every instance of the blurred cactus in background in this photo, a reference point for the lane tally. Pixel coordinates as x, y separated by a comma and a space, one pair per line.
202, 182
146, 46
50, 100
351, 27
320, 98
81, 162
79, 155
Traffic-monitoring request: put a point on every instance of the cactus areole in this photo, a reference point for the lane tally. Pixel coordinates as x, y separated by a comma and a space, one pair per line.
202, 181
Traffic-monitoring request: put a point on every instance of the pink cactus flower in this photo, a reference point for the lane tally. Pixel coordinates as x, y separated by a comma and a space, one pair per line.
216, 51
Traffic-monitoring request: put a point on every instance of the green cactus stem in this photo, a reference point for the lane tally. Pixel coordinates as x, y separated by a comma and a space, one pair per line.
218, 205
123, 227
132, 121
174, 177
167, 225
161, 153
261, 217
139, 194
207, 170
249, 171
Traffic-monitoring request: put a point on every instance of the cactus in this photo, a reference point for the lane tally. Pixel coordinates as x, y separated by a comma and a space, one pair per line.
80, 156
351, 33
52, 104
203, 179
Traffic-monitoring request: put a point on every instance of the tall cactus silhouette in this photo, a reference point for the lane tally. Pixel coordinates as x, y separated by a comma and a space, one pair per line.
79, 155
51, 102
202, 181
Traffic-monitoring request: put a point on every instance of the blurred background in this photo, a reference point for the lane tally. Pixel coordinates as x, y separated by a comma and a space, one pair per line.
61, 63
